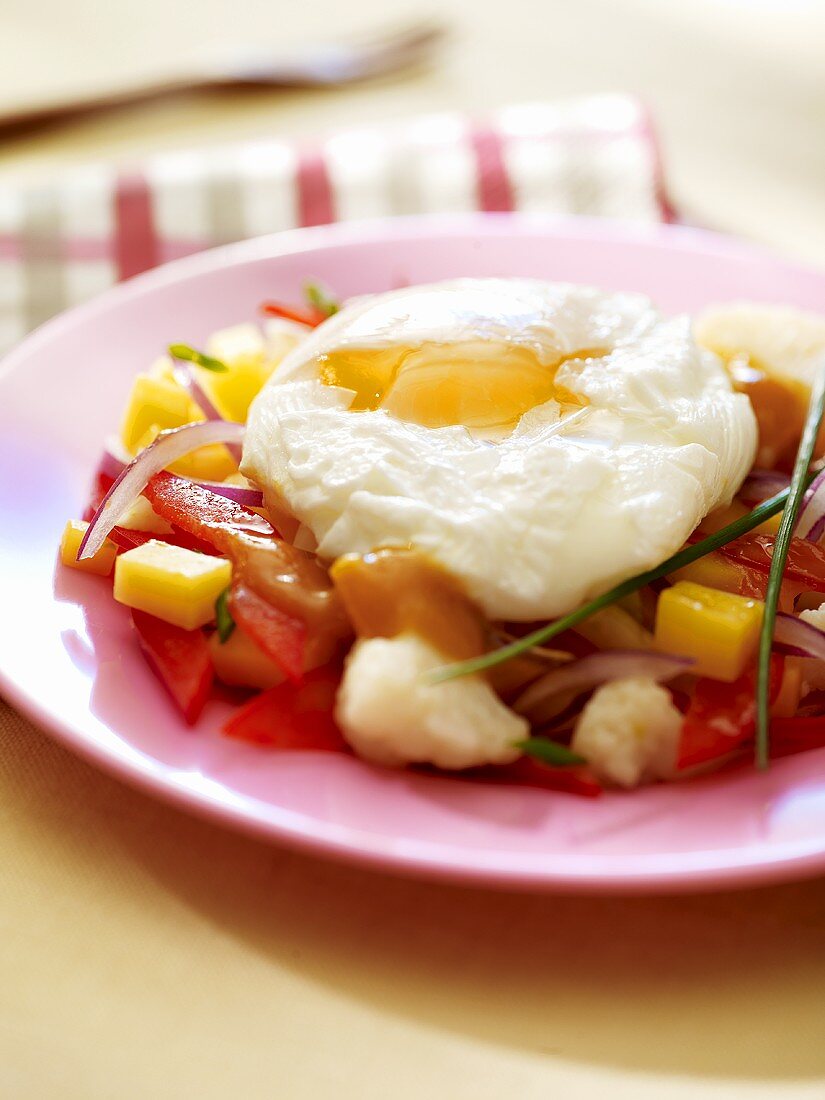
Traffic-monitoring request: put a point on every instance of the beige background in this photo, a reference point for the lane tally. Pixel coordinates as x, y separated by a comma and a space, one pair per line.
146, 954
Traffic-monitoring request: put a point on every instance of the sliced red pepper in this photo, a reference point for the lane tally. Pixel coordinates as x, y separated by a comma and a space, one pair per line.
293, 716
806, 560
721, 716
180, 658
533, 773
282, 637
304, 315
792, 735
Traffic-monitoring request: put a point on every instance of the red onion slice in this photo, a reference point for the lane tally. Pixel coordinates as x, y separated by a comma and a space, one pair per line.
241, 494
186, 377
762, 484
811, 522
797, 638
167, 448
598, 668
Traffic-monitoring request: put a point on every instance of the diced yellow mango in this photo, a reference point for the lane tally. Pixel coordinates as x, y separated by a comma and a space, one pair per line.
242, 349
100, 563
733, 511
786, 702
712, 571
614, 628
155, 403
210, 463
719, 630
239, 661
770, 526
177, 585
721, 517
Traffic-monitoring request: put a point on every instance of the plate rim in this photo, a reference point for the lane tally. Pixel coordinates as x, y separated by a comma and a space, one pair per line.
705, 869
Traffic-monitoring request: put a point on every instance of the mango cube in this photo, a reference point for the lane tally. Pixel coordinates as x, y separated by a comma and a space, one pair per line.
210, 463
155, 402
719, 630
100, 563
711, 571
240, 661
177, 585
243, 351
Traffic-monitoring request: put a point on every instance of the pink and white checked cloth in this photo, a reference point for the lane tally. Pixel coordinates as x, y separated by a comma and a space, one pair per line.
65, 240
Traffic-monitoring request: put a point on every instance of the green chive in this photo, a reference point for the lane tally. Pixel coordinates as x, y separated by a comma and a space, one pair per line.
321, 299
799, 482
684, 557
223, 617
191, 355
549, 752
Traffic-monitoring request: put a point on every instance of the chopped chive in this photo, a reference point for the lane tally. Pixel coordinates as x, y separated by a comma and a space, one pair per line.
683, 557
223, 617
549, 752
321, 299
799, 482
192, 355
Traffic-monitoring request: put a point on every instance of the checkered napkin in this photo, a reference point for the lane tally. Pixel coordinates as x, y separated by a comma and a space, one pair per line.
66, 239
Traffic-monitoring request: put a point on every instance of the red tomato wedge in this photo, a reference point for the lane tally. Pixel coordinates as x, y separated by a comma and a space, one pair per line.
282, 637
792, 735
806, 560
722, 717
304, 315
102, 485
181, 660
127, 539
293, 716
533, 773
202, 513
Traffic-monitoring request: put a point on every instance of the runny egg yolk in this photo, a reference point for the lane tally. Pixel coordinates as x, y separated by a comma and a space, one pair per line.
483, 384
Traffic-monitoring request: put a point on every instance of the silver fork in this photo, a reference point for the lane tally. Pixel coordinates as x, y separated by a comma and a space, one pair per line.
324, 64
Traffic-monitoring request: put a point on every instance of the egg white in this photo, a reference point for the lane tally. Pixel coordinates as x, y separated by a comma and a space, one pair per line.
556, 512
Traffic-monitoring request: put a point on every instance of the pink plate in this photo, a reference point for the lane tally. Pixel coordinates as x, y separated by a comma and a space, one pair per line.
68, 659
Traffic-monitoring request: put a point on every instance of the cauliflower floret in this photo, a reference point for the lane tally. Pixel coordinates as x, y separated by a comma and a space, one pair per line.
812, 670
390, 715
629, 732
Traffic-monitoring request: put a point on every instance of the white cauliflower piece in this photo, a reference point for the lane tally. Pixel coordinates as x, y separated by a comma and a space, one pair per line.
390, 715
812, 670
629, 732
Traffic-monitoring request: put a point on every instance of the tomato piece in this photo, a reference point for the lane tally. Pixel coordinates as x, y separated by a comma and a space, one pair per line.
304, 315
102, 485
722, 716
127, 539
533, 773
805, 566
282, 637
792, 735
180, 659
202, 513
293, 716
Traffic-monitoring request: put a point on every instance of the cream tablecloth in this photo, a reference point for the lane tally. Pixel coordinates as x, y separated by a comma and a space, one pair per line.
147, 954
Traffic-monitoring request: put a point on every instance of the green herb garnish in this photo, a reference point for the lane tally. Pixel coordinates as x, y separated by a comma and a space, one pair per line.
321, 299
683, 557
549, 752
223, 617
192, 355
799, 482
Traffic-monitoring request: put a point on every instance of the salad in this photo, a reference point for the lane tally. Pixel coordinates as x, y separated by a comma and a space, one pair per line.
530, 532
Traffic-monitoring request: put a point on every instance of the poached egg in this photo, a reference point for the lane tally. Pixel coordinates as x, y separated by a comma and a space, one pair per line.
540, 441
